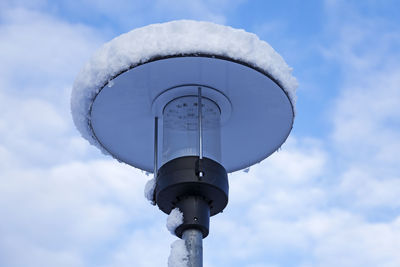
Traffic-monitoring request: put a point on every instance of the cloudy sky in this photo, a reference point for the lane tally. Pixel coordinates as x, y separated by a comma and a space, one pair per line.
330, 197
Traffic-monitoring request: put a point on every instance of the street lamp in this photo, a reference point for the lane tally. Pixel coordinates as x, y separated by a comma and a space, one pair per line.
189, 101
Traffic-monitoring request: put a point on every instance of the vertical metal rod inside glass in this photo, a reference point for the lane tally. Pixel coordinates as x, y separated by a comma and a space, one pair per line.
155, 146
200, 122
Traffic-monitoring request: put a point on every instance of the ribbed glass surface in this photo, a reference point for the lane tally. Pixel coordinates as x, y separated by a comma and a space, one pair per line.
181, 129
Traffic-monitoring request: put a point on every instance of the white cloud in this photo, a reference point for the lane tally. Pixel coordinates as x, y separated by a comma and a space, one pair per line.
37, 49
145, 247
314, 203
39, 58
366, 116
20, 252
364, 188
67, 212
55, 211
332, 237
352, 242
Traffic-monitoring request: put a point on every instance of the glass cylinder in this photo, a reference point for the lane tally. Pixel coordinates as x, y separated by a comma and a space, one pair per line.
181, 129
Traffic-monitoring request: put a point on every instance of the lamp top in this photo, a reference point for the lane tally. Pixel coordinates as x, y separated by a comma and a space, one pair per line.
115, 96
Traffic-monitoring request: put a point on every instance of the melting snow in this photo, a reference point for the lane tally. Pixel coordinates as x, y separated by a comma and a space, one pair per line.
179, 256
110, 83
149, 190
175, 218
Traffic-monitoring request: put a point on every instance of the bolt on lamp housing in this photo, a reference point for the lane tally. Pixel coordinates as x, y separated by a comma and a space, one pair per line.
189, 101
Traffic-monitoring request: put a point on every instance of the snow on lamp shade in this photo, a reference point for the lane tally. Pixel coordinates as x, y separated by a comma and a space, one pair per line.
248, 95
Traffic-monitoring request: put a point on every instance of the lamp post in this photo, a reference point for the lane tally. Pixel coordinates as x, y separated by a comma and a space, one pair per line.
189, 101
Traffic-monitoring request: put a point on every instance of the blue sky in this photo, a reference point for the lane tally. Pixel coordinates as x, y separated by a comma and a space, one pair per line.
330, 197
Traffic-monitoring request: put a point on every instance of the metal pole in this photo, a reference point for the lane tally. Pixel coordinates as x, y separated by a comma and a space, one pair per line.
194, 245
200, 115
155, 146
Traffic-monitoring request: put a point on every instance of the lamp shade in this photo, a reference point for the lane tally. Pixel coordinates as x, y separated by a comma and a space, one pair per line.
155, 71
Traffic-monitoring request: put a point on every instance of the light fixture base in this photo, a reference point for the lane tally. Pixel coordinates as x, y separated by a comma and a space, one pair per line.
198, 187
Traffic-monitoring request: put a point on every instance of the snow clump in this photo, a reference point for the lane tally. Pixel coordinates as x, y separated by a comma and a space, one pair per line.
149, 190
175, 218
179, 256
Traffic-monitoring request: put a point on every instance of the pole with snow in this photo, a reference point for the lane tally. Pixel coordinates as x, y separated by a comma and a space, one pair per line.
189, 101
